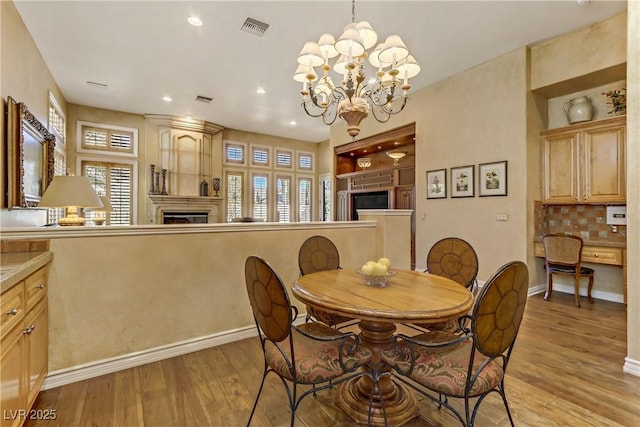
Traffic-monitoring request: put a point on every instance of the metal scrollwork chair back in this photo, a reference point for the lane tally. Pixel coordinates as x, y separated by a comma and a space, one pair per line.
318, 253
312, 354
441, 364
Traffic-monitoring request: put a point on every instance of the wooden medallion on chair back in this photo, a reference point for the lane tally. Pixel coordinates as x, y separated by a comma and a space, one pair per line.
455, 259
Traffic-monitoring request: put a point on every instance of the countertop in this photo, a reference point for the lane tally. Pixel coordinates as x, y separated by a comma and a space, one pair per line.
16, 266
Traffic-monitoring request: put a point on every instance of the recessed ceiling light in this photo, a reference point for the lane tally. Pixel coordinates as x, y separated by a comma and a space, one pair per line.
195, 21
261, 91
293, 123
167, 99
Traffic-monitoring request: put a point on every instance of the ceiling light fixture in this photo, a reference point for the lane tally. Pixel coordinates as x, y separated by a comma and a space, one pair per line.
261, 91
354, 97
195, 21
396, 155
364, 162
167, 99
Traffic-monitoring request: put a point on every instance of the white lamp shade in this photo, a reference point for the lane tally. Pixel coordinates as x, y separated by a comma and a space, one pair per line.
350, 43
340, 66
374, 57
310, 55
394, 50
106, 205
367, 34
70, 191
408, 67
326, 45
302, 72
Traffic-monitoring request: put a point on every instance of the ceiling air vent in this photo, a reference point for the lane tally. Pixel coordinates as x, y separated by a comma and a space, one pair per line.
204, 99
255, 27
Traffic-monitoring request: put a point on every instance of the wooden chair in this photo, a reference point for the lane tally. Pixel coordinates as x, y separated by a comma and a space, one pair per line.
318, 253
312, 354
455, 259
474, 364
563, 255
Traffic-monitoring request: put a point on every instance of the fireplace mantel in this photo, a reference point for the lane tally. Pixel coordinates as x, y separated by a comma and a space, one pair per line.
166, 203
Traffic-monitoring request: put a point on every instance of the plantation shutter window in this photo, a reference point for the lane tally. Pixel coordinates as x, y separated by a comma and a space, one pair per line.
304, 200
114, 181
284, 159
260, 199
284, 199
105, 139
234, 196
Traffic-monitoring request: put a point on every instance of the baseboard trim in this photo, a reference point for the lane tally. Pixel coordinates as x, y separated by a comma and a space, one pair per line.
631, 366
567, 289
107, 366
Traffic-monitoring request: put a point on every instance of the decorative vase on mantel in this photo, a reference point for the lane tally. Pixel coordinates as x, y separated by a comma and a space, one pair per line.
578, 110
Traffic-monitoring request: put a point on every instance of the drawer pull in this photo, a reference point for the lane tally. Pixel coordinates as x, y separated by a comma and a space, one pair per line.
12, 312
29, 329
595, 255
40, 286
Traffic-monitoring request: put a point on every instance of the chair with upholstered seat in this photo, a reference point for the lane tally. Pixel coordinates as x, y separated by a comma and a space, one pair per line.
563, 255
311, 354
455, 259
440, 364
318, 253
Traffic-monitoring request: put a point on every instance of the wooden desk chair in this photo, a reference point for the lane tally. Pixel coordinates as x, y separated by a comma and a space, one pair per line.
472, 365
312, 353
318, 253
563, 255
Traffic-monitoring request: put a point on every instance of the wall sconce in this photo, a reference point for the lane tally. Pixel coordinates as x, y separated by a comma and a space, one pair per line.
396, 155
70, 192
364, 162
100, 214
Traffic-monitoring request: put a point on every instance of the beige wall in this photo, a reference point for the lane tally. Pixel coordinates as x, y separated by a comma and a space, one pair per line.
633, 188
25, 76
580, 53
474, 117
114, 295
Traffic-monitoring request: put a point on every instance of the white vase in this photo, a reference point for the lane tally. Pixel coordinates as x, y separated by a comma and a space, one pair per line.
578, 109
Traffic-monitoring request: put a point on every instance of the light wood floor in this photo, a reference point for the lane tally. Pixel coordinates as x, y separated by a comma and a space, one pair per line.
566, 370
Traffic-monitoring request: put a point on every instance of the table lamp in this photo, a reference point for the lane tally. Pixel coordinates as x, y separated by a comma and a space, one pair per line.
70, 192
100, 214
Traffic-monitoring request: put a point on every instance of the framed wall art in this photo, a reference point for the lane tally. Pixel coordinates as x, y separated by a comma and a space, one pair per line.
462, 181
437, 184
492, 179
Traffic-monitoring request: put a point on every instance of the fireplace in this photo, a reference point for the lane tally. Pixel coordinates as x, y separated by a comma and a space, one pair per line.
169, 217
207, 209
371, 200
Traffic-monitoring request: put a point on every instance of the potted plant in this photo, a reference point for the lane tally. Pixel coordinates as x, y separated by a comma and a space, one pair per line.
617, 99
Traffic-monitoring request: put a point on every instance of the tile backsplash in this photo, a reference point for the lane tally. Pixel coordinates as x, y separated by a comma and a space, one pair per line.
586, 221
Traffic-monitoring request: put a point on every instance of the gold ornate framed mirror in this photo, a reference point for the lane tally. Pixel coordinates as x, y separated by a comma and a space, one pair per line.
30, 148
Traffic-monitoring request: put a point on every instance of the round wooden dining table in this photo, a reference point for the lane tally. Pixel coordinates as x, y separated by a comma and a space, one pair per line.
409, 297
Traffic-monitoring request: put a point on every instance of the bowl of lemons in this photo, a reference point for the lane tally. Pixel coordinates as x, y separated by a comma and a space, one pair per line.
377, 273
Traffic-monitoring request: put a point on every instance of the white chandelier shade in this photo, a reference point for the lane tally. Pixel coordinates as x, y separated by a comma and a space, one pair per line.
353, 96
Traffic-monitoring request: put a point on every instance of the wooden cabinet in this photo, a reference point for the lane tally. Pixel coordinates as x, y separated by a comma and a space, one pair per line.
25, 346
585, 163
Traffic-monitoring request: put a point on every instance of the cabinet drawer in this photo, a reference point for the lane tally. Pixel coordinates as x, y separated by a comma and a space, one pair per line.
593, 254
602, 255
12, 308
36, 286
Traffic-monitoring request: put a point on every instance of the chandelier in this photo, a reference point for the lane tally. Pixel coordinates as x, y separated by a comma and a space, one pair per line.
355, 97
